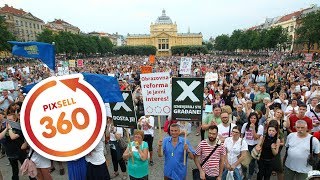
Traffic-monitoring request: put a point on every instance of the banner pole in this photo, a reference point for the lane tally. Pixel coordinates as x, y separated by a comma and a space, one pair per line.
130, 145
160, 134
185, 152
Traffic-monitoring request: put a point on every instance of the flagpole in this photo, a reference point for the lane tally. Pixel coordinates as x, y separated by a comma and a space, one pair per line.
160, 134
130, 145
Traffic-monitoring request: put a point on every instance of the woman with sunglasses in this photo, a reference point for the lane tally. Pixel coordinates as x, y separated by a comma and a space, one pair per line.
236, 151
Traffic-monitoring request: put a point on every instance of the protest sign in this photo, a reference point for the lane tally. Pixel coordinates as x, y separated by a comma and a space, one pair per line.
187, 99
8, 85
156, 92
80, 63
185, 65
146, 69
123, 113
210, 76
72, 63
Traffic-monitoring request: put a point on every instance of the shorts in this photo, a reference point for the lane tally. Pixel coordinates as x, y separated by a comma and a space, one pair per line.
149, 139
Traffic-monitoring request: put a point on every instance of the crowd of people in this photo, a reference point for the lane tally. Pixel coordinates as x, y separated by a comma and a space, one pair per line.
261, 105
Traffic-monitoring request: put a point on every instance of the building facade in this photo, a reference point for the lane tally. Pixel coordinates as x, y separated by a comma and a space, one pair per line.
23, 25
290, 22
60, 25
163, 35
116, 39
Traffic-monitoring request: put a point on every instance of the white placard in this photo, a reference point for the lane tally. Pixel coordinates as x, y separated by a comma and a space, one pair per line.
210, 76
63, 71
185, 65
8, 85
156, 92
26, 69
11, 69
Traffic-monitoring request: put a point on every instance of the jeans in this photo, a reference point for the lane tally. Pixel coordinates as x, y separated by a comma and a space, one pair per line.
236, 174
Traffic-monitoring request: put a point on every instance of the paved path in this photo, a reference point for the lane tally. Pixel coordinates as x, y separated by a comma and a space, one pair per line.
156, 171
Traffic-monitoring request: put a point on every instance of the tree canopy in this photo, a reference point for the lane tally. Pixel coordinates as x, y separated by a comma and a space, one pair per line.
5, 36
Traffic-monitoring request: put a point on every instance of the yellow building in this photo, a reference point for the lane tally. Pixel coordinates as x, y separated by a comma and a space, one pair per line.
61, 25
164, 35
23, 25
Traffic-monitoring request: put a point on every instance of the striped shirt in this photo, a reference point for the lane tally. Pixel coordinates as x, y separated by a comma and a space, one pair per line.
212, 166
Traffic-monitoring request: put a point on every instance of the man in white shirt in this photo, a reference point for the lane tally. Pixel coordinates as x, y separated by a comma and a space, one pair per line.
298, 145
314, 115
225, 128
5, 100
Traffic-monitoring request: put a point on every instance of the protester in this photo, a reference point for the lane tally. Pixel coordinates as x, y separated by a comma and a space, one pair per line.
147, 126
298, 149
236, 149
138, 168
269, 147
213, 167
212, 119
173, 148
251, 133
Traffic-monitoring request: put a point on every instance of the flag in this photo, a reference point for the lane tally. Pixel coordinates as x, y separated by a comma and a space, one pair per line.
43, 51
107, 87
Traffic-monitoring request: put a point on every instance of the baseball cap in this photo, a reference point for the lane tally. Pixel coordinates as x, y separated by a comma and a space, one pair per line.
313, 174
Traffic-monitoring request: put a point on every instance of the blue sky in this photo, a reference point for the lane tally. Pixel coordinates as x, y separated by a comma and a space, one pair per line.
211, 17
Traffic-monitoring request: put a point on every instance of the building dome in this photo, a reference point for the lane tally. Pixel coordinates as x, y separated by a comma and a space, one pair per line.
163, 19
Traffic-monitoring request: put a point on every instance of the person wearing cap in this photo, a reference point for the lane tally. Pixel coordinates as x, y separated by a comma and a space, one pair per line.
313, 175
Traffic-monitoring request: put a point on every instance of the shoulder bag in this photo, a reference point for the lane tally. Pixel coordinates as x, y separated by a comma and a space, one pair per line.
196, 172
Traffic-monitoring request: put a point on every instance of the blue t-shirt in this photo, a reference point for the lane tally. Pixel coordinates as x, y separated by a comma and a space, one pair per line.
173, 163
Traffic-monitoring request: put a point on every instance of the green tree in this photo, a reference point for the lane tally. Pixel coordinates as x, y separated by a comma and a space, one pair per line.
309, 31
5, 36
222, 42
234, 40
46, 36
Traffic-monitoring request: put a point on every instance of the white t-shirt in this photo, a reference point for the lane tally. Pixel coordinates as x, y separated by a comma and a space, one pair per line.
96, 157
290, 109
185, 127
298, 152
116, 130
145, 127
40, 161
283, 105
314, 120
234, 149
248, 135
224, 131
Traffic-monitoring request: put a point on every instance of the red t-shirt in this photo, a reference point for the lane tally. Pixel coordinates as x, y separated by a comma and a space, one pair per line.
317, 135
293, 119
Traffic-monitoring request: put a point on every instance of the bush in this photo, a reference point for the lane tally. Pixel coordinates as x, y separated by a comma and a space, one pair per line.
135, 50
192, 50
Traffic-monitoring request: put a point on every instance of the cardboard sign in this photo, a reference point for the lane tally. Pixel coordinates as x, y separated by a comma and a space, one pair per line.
146, 69
80, 63
187, 99
63, 71
152, 59
8, 85
123, 113
72, 63
309, 57
156, 92
185, 65
210, 76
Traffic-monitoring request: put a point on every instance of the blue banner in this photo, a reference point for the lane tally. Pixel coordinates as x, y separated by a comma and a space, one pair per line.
43, 51
107, 87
